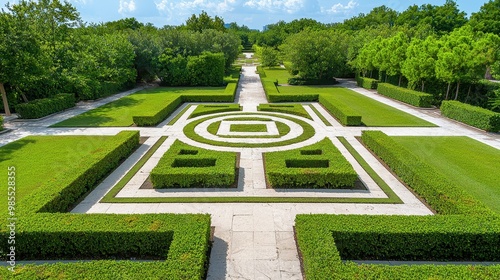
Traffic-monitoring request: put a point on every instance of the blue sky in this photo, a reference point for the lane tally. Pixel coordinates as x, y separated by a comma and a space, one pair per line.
252, 13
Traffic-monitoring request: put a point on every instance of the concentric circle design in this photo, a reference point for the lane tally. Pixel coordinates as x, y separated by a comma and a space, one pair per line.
300, 130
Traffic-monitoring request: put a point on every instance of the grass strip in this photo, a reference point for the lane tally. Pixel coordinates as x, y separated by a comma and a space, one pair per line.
181, 113
380, 182
131, 173
323, 119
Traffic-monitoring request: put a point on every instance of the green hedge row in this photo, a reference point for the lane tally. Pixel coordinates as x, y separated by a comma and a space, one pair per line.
367, 83
317, 166
435, 188
185, 166
154, 119
261, 72
273, 95
325, 240
1, 123
294, 109
181, 240
43, 107
341, 112
412, 97
471, 115
213, 109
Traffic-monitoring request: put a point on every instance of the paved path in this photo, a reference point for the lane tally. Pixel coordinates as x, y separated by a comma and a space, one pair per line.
252, 240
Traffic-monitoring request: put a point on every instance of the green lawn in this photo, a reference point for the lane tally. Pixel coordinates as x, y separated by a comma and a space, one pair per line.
51, 161
277, 73
120, 112
469, 164
248, 128
373, 112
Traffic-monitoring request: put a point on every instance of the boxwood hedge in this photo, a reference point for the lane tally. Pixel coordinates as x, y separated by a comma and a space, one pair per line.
43, 107
154, 118
1, 123
412, 97
185, 166
273, 94
471, 115
325, 241
367, 83
433, 187
341, 112
180, 239
317, 166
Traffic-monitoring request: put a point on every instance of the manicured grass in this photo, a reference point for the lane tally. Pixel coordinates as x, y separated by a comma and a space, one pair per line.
52, 161
185, 166
121, 112
467, 163
373, 112
277, 73
323, 119
283, 129
380, 182
294, 109
318, 166
248, 128
309, 132
214, 108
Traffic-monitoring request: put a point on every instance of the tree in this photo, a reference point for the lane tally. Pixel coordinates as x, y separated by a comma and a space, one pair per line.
269, 56
487, 20
421, 57
204, 21
395, 54
455, 63
316, 54
486, 52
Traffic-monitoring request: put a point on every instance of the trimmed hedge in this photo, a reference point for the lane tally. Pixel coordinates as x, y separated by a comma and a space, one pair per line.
182, 240
213, 109
367, 83
43, 107
158, 117
198, 168
317, 166
433, 187
341, 112
1, 123
325, 240
471, 115
412, 97
294, 109
273, 94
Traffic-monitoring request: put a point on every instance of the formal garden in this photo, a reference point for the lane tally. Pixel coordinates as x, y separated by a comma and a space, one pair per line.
185, 158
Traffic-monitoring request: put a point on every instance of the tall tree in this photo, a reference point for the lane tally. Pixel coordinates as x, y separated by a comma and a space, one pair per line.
487, 19
204, 21
421, 57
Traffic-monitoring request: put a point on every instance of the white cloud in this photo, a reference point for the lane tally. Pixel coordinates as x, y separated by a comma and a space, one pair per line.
289, 6
126, 6
188, 7
340, 8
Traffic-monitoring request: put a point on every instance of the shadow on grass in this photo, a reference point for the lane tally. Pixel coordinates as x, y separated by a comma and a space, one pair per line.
7, 150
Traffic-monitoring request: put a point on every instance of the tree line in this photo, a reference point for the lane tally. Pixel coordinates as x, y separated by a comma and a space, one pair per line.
47, 49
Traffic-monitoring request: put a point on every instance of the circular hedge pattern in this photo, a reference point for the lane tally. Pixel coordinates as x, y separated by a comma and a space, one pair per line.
201, 130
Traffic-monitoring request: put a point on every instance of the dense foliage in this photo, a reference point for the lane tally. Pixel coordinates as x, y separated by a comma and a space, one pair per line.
412, 97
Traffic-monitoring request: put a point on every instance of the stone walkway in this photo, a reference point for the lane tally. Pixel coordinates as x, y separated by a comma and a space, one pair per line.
253, 240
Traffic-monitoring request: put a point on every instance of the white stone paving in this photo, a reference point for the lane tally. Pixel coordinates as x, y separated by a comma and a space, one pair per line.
253, 240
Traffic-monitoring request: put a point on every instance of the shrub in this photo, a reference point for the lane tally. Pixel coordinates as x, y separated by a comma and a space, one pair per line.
433, 187
1, 123
325, 240
204, 169
296, 169
206, 69
212, 109
158, 117
367, 83
43, 107
295, 109
471, 115
341, 112
412, 97
261, 72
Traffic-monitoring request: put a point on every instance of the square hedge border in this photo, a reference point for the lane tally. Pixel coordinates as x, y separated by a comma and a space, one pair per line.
44, 232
